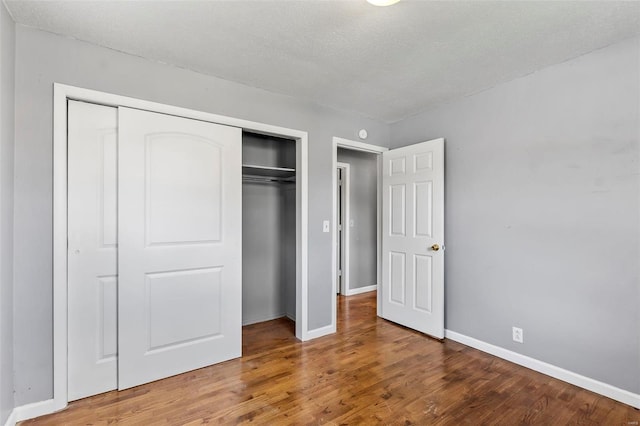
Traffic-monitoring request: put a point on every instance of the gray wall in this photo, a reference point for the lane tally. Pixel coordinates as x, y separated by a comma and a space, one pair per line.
268, 234
7, 67
363, 255
41, 60
542, 208
262, 257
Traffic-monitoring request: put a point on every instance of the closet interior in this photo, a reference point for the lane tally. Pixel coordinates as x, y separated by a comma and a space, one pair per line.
268, 228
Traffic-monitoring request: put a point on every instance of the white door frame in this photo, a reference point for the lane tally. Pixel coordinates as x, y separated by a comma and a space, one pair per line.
344, 243
62, 93
364, 147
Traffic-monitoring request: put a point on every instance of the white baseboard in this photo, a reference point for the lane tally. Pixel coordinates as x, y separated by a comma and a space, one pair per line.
593, 385
270, 318
319, 332
352, 291
11, 420
263, 319
36, 409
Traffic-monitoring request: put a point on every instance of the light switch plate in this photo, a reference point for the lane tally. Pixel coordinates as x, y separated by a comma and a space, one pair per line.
325, 226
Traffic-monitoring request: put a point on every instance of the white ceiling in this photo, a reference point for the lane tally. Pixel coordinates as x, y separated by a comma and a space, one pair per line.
386, 63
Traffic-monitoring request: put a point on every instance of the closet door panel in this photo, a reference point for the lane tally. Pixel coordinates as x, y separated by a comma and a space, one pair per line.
177, 210
92, 253
180, 219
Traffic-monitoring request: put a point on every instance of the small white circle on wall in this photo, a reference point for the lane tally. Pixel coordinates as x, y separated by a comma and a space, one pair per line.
363, 134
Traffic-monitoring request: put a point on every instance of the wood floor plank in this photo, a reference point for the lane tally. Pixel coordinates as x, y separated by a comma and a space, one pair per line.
370, 372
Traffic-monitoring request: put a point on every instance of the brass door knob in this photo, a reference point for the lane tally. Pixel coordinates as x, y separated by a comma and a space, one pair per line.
435, 247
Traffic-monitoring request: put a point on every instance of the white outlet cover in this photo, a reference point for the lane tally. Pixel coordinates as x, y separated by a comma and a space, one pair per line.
517, 335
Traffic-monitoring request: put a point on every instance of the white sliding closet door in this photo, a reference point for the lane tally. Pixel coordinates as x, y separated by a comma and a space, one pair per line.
179, 252
92, 249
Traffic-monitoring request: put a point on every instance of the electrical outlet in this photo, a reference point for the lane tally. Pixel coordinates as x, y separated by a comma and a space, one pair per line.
518, 335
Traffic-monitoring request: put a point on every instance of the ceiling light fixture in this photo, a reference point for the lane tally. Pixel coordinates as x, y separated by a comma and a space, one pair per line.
382, 2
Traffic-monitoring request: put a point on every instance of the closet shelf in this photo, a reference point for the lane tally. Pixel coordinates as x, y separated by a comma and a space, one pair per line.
269, 172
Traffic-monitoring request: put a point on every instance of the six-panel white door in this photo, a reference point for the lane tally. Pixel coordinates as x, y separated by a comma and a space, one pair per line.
179, 245
92, 249
413, 237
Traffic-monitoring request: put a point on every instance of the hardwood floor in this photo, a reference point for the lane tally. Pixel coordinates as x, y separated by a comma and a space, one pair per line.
370, 372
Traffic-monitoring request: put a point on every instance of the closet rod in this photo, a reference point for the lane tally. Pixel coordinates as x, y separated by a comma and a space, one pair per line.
266, 179
268, 172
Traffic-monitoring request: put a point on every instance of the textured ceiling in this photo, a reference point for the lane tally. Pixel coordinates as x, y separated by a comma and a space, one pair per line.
386, 63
